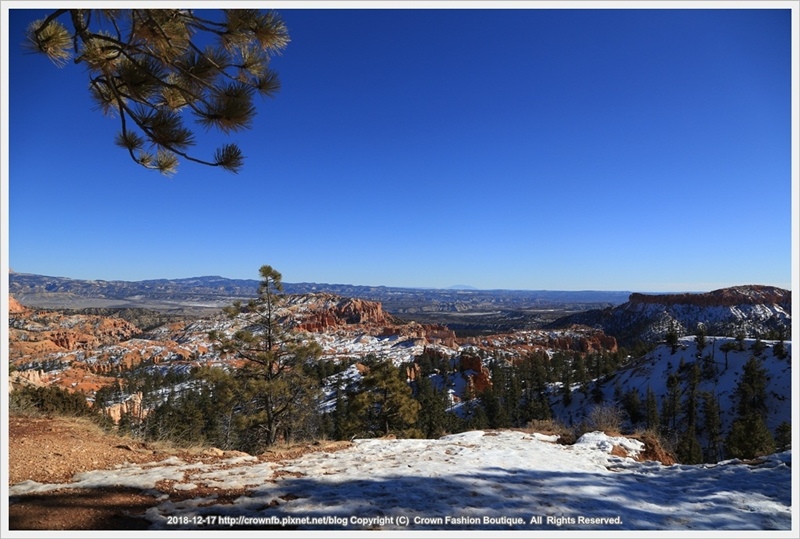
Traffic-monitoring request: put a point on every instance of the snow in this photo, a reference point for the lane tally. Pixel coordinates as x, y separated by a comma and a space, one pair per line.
479, 480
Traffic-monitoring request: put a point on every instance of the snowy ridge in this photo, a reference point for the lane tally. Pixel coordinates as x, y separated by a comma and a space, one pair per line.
480, 480
752, 310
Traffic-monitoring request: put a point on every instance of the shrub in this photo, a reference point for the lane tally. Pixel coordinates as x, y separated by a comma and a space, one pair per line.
656, 448
50, 400
606, 418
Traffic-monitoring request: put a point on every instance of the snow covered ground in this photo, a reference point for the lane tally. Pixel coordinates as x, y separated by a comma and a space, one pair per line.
480, 480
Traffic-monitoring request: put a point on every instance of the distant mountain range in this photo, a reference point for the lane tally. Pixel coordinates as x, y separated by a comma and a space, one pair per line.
214, 292
751, 310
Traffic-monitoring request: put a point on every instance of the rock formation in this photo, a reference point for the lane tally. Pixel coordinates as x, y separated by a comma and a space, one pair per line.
724, 297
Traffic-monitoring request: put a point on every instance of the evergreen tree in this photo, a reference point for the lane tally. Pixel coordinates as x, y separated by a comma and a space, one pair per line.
671, 338
152, 68
566, 385
581, 374
689, 450
700, 339
712, 427
669, 413
739, 340
432, 417
783, 436
597, 392
632, 404
751, 392
651, 407
512, 398
493, 408
386, 403
691, 399
281, 394
749, 435
779, 350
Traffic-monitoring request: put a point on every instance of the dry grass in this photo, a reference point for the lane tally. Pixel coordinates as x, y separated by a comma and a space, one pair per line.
655, 448
550, 427
293, 451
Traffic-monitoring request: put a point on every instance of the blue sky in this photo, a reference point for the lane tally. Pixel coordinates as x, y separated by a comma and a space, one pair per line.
644, 150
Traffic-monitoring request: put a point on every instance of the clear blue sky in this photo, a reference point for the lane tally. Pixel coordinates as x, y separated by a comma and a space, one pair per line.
645, 150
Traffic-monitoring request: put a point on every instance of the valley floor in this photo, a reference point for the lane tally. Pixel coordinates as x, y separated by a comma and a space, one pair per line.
64, 475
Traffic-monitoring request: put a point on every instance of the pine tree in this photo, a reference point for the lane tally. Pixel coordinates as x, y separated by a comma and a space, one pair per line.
512, 398
386, 403
432, 415
783, 436
751, 392
671, 338
690, 403
632, 404
726, 348
689, 450
152, 68
700, 339
281, 395
749, 436
651, 406
669, 413
712, 426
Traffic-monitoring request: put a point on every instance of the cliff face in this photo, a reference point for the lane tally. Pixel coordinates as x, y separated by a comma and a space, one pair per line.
724, 297
752, 310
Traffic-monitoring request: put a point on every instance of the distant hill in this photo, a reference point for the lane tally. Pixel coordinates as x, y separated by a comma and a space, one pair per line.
751, 309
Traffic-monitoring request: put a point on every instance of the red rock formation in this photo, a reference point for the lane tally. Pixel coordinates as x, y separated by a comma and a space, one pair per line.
15, 307
326, 311
481, 379
439, 334
18, 379
413, 372
131, 406
55, 331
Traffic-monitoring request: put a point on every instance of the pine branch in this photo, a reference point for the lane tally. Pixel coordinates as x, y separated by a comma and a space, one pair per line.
149, 58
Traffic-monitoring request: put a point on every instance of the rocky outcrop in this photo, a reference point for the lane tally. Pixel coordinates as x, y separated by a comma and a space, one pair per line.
587, 343
413, 372
439, 334
18, 379
132, 406
724, 297
478, 377
580, 339
422, 334
15, 307
53, 331
320, 312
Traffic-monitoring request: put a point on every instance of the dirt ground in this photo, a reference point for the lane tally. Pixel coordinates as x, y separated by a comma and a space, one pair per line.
53, 450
